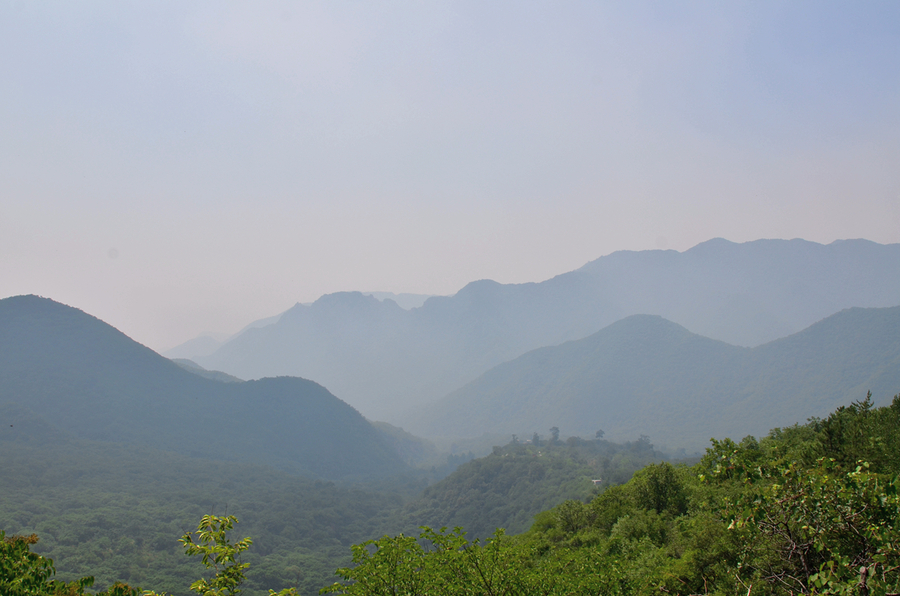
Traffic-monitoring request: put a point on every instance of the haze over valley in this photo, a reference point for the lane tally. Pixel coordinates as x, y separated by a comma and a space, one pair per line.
519, 367
610, 291
387, 361
789, 329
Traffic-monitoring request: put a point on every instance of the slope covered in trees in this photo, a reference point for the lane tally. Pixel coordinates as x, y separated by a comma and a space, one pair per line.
116, 511
110, 452
809, 509
507, 488
114, 505
84, 377
646, 375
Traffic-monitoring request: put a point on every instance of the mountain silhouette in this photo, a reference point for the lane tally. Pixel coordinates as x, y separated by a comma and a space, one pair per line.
79, 375
385, 360
645, 375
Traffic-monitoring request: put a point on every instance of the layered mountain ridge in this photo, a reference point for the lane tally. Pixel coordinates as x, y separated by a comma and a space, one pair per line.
385, 360
75, 373
645, 375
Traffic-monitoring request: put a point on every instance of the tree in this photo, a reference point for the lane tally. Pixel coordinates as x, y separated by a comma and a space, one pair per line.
828, 531
450, 566
659, 488
24, 573
220, 554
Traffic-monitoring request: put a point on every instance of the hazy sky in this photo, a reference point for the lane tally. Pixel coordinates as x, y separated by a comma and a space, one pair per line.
181, 167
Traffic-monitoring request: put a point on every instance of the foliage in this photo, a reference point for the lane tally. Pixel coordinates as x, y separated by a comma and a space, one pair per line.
115, 510
830, 530
221, 555
507, 488
793, 513
809, 509
448, 565
861, 432
24, 573
117, 513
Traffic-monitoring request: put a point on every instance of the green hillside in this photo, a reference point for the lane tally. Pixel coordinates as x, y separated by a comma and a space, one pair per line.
110, 452
808, 510
507, 488
646, 375
85, 377
801, 511
116, 511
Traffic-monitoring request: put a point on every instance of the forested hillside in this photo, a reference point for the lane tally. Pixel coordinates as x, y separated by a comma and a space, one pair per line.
116, 511
110, 453
507, 488
85, 377
645, 375
809, 509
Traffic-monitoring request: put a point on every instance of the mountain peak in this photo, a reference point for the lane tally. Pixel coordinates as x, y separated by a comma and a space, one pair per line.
79, 373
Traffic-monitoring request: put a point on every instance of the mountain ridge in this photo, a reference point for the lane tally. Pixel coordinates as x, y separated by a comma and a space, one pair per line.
743, 293
647, 375
80, 374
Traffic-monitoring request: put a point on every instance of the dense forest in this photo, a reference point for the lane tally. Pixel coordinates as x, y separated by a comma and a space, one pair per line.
507, 488
117, 510
111, 452
808, 509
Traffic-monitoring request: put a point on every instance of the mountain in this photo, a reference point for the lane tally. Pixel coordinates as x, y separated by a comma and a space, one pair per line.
215, 375
206, 344
66, 369
507, 488
645, 375
405, 301
384, 359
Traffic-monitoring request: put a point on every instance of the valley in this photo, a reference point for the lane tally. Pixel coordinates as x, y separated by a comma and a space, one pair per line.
110, 451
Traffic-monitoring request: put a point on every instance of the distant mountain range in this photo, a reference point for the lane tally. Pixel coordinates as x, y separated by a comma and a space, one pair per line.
645, 375
63, 371
206, 344
385, 360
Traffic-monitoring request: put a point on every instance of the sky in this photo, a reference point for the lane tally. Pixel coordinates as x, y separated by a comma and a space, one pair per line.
176, 168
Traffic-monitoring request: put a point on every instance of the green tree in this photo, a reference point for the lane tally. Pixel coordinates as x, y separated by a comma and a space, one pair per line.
24, 573
218, 553
554, 435
449, 566
823, 530
658, 487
